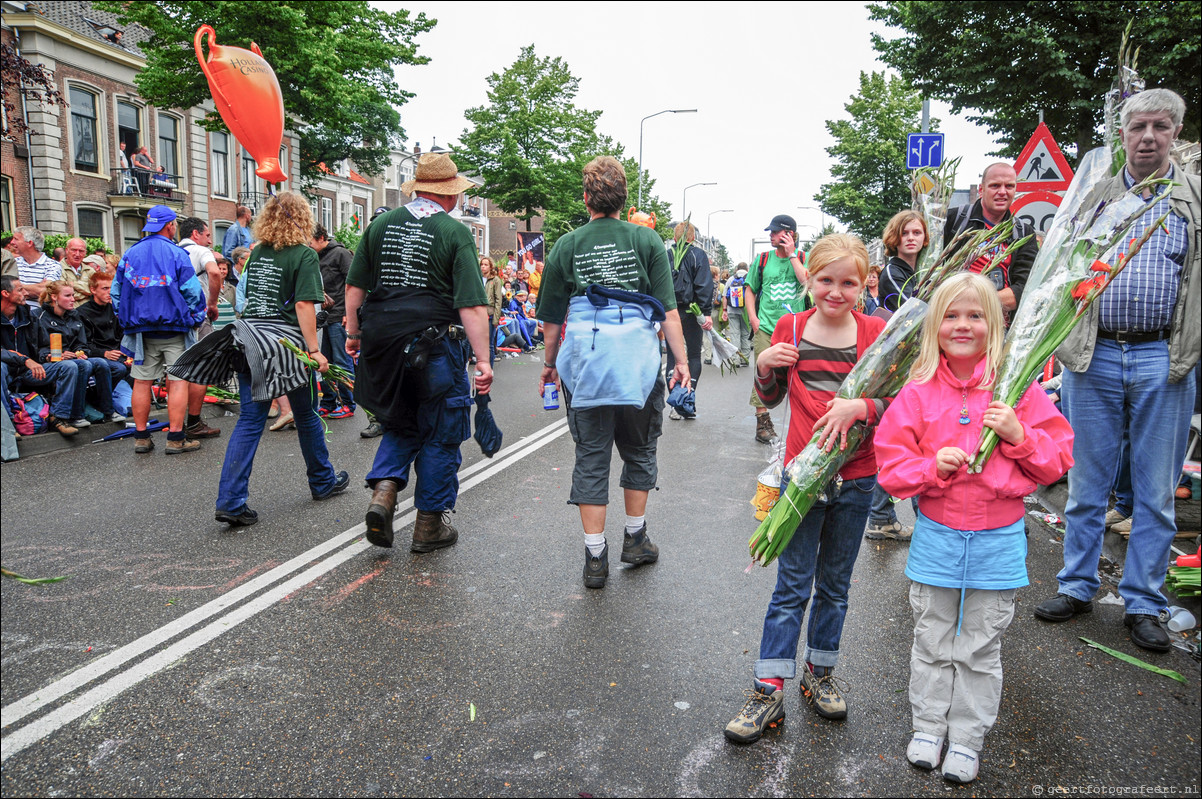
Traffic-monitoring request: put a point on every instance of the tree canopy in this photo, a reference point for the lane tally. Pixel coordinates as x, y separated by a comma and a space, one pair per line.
334, 61
871, 183
23, 77
1007, 61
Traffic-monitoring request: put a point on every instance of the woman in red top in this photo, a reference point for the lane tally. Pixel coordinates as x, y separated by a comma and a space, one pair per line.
810, 355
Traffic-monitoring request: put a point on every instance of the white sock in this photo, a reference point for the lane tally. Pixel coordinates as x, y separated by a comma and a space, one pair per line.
595, 543
634, 524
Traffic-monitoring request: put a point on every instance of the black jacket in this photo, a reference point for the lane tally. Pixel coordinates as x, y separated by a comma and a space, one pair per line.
75, 337
1013, 274
102, 326
896, 284
335, 261
694, 282
19, 339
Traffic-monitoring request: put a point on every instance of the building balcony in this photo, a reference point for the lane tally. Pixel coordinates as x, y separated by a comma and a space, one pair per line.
470, 211
140, 189
254, 200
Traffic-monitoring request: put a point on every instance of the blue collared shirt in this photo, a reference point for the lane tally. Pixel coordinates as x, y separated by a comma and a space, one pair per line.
1143, 296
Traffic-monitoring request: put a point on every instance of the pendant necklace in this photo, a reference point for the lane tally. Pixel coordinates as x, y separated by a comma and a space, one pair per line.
964, 406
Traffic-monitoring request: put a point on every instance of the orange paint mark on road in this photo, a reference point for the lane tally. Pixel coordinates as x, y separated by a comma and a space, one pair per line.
339, 596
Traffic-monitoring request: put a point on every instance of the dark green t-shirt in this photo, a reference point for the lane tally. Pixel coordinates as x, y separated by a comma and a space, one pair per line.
278, 279
438, 253
610, 252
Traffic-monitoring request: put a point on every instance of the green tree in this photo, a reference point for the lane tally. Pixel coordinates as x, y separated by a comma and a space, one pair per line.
1007, 61
528, 142
870, 182
721, 256
334, 61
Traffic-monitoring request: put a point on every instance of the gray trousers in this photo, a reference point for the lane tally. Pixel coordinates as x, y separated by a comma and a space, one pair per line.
740, 331
956, 680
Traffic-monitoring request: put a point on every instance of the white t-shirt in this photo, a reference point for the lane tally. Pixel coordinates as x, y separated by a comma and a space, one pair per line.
201, 258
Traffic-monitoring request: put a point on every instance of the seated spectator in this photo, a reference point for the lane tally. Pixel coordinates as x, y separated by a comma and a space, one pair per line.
8, 257
21, 369
35, 268
59, 316
94, 263
103, 330
71, 261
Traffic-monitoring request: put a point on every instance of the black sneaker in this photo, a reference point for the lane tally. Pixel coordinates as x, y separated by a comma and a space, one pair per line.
373, 430
596, 570
341, 481
243, 518
765, 705
637, 549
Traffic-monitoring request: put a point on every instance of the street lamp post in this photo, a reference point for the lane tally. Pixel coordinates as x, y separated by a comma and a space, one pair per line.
814, 208
711, 216
644, 119
684, 202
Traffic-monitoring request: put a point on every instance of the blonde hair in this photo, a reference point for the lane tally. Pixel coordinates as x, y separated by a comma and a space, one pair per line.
286, 221
891, 238
51, 291
948, 292
836, 247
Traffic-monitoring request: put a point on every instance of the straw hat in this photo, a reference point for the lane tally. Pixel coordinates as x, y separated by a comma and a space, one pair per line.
437, 174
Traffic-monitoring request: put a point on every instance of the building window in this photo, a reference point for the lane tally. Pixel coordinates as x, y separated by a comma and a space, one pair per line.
169, 144
219, 143
358, 219
83, 130
344, 213
248, 172
284, 160
7, 220
89, 223
129, 127
327, 208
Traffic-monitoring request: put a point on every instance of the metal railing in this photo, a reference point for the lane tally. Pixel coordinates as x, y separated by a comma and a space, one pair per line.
144, 183
254, 200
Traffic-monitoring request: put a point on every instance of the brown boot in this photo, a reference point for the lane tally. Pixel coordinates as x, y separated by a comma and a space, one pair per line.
380, 513
764, 431
432, 532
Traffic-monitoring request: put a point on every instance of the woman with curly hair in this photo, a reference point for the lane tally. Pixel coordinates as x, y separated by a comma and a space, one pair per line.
278, 295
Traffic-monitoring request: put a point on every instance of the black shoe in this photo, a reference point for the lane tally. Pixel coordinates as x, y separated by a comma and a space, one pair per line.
1146, 632
596, 570
373, 430
243, 518
637, 549
1062, 607
341, 481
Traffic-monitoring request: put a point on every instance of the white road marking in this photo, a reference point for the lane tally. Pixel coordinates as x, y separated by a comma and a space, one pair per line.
31, 733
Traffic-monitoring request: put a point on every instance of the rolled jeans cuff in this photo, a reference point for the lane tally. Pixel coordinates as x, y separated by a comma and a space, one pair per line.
819, 657
780, 668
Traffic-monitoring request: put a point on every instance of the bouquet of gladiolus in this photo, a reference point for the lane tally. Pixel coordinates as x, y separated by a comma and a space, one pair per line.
880, 373
1065, 280
335, 372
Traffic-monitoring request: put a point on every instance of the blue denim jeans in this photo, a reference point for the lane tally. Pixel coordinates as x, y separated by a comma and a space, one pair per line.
1124, 495
62, 378
234, 488
817, 562
1125, 391
98, 369
882, 511
333, 346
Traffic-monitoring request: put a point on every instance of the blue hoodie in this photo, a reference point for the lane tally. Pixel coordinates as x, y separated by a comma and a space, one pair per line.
156, 289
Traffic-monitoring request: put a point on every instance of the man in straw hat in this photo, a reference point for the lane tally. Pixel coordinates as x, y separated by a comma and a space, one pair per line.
414, 302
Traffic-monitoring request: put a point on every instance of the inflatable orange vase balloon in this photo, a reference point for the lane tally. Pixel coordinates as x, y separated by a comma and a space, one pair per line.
249, 99
639, 218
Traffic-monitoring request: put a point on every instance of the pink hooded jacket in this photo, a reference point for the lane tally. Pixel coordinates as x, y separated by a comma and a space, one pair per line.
925, 417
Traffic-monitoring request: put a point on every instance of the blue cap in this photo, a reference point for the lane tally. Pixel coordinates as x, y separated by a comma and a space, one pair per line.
158, 218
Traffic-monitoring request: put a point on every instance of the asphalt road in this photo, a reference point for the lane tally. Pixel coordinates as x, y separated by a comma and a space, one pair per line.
181, 658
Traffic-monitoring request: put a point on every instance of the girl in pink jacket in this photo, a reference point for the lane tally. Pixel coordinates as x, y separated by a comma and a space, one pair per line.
969, 550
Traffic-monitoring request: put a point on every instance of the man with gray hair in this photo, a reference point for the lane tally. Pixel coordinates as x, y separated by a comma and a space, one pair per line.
1129, 372
35, 268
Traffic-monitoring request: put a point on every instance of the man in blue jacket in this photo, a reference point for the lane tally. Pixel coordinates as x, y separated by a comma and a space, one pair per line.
159, 302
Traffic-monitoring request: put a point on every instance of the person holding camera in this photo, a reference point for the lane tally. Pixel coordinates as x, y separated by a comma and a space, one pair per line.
414, 303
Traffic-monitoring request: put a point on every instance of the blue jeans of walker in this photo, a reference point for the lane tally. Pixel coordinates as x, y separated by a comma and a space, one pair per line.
442, 421
816, 563
333, 346
1125, 391
234, 488
882, 511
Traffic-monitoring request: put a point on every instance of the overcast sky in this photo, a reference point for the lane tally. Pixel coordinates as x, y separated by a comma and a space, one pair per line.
763, 76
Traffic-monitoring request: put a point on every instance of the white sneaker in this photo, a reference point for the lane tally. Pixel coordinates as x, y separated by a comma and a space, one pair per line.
924, 750
80, 423
672, 414
961, 764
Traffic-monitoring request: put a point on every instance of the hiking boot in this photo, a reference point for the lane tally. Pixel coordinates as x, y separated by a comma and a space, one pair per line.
823, 694
61, 426
180, 447
596, 569
341, 481
143, 445
201, 430
1122, 527
373, 430
432, 531
243, 518
1114, 516
637, 549
764, 431
765, 706
893, 530
380, 513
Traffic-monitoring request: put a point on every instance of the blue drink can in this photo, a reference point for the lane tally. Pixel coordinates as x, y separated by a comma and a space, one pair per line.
550, 397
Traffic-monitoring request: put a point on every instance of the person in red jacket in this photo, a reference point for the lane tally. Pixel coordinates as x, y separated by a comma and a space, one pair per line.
809, 356
969, 549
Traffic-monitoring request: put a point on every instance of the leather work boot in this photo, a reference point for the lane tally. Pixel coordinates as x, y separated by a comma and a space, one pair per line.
380, 513
431, 531
764, 431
